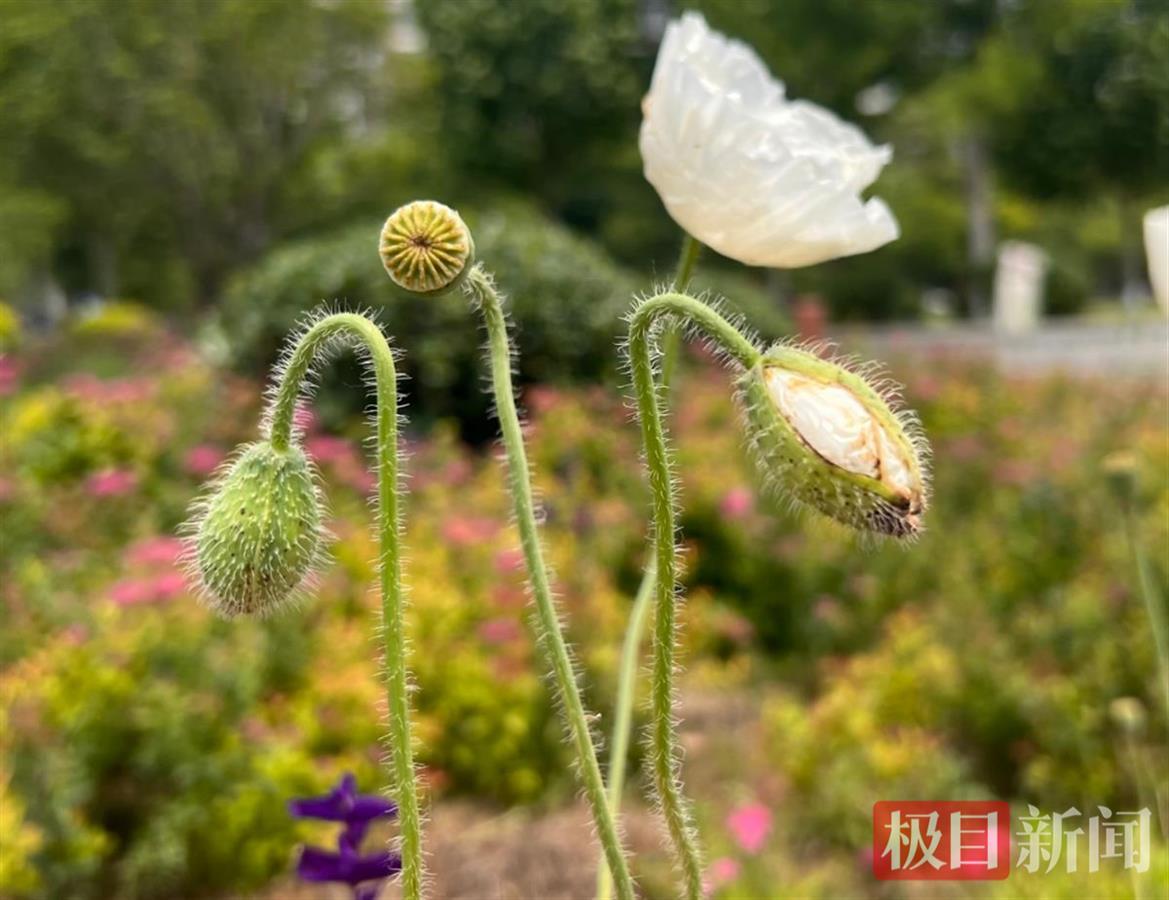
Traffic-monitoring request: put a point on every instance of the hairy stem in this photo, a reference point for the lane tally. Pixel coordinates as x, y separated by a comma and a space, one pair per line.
552, 643
381, 359
623, 711
671, 341
639, 615
664, 749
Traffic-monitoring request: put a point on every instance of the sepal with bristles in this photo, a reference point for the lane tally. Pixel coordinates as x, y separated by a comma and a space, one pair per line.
825, 437
257, 537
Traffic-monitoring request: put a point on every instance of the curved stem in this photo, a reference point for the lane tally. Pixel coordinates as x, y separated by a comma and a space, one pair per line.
289, 391
664, 745
672, 341
639, 615
552, 642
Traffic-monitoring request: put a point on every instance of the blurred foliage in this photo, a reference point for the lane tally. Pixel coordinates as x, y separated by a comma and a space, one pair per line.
238, 157
152, 151
147, 750
151, 141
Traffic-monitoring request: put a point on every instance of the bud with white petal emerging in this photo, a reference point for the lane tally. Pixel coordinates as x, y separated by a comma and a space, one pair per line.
257, 537
823, 435
426, 248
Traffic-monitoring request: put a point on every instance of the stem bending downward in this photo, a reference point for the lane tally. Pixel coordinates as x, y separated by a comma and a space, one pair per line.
664, 747
319, 337
482, 288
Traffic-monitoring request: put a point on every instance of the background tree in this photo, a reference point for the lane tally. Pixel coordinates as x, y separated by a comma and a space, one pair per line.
164, 132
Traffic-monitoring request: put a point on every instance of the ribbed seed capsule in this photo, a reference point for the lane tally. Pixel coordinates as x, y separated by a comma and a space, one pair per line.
826, 438
426, 247
260, 532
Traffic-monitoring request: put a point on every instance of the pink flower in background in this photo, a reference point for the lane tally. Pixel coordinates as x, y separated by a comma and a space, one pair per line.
499, 631
466, 530
304, 420
202, 459
735, 628
167, 586
156, 551
111, 483
88, 386
750, 825
156, 589
327, 449
737, 503
510, 559
9, 374
131, 592
506, 597
722, 871
456, 471
7, 489
354, 473
540, 398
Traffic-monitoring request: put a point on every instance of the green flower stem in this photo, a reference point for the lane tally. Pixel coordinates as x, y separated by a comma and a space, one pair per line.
672, 340
1158, 616
482, 289
623, 711
381, 358
639, 615
664, 746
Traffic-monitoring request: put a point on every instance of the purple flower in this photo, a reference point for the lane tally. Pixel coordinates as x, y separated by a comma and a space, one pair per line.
319, 865
343, 804
348, 865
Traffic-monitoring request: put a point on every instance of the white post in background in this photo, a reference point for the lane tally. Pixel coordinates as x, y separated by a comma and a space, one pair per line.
1018, 287
1157, 252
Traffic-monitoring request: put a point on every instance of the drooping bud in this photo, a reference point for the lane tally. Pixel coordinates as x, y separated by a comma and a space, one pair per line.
426, 247
828, 439
258, 535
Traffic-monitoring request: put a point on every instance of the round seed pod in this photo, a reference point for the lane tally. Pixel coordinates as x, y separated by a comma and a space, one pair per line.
826, 438
426, 248
259, 535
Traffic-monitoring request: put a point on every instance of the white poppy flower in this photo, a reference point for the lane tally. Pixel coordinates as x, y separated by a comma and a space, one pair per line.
761, 179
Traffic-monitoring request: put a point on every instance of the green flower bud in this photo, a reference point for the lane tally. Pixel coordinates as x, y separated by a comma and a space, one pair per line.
426, 248
824, 436
257, 538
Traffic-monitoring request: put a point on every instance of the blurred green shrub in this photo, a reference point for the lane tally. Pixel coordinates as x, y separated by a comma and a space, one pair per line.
565, 295
144, 745
138, 765
9, 328
565, 298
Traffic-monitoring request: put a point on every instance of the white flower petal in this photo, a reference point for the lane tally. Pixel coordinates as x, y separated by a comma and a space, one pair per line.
761, 179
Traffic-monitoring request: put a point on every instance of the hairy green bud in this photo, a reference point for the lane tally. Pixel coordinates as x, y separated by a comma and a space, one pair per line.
257, 537
426, 248
827, 438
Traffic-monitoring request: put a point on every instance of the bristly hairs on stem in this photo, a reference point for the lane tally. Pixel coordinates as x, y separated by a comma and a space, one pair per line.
260, 471
480, 287
875, 480
643, 599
